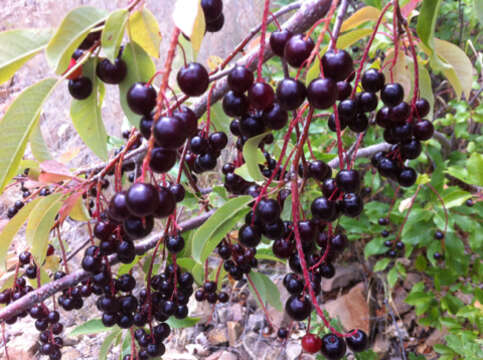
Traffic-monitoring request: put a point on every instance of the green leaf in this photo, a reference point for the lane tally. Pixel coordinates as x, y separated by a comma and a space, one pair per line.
37, 145
475, 169
93, 326
392, 277
382, 264
108, 342
18, 46
457, 67
86, 114
454, 196
182, 323
17, 125
70, 34
254, 156
193, 267
427, 22
143, 28
267, 254
266, 288
219, 118
113, 33
141, 68
11, 229
208, 235
40, 223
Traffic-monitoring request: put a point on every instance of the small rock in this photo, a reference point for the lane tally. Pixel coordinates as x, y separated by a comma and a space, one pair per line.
71, 354
226, 355
234, 331
381, 345
401, 306
351, 309
217, 336
255, 321
411, 279
344, 275
236, 311
294, 349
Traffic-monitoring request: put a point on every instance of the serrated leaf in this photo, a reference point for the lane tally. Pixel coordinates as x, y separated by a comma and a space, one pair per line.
458, 68
141, 68
11, 229
70, 34
254, 156
93, 326
113, 33
18, 46
41, 220
428, 15
182, 323
17, 125
190, 19
108, 342
86, 114
37, 144
266, 288
367, 13
208, 235
143, 28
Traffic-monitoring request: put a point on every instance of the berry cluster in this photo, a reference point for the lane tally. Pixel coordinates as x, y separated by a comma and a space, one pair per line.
208, 292
332, 346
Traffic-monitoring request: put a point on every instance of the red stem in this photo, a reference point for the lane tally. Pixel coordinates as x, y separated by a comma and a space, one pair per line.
262, 39
340, 148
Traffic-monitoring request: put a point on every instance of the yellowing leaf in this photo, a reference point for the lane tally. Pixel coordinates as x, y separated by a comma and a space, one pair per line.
79, 212
11, 229
143, 28
189, 18
362, 15
459, 70
16, 127
18, 46
41, 220
214, 61
401, 71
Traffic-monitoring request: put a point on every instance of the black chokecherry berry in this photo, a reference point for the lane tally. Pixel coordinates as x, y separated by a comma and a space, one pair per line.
169, 132
111, 73
352, 205
248, 236
174, 244
235, 104
423, 130
422, 108
337, 65
80, 88
333, 347
324, 209
215, 25
212, 9
275, 117
278, 40
407, 177
298, 49
291, 93
218, 140
141, 98
240, 79
188, 120
344, 90
261, 95
348, 181
392, 94
319, 170
367, 101
359, 123
268, 211
145, 126
193, 79
372, 80
251, 126
439, 235
137, 228
333, 125
322, 93
298, 308
142, 199
162, 159
400, 113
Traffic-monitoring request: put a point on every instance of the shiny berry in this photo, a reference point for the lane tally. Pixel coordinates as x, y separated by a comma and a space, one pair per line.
392, 94
337, 65
141, 98
322, 93
80, 88
298, 49
278, 40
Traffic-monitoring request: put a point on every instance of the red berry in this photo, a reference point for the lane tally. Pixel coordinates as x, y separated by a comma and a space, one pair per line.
311, 343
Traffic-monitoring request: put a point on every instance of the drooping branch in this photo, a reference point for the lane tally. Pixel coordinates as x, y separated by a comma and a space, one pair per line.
76, 277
